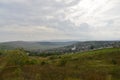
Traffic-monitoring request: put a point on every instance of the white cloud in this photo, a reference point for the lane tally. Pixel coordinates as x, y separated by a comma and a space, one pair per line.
91, 11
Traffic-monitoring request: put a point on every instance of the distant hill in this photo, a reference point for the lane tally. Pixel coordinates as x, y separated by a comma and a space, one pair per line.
34, 45
85, 46
59, 47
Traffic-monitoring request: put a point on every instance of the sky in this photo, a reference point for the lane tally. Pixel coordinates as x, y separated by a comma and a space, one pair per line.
37, 20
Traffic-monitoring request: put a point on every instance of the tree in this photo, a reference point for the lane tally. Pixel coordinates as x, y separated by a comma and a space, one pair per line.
92, 47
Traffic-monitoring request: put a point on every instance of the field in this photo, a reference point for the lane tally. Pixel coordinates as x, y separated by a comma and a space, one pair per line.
101, 64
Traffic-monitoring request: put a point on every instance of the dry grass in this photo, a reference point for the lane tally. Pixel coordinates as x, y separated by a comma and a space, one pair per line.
94, 65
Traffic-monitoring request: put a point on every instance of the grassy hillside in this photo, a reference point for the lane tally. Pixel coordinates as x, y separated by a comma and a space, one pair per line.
93, 65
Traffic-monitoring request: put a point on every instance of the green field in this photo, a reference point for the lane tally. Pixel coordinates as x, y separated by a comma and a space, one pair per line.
101, 64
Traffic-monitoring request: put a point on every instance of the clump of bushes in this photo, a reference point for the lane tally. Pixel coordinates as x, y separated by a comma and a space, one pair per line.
17, 57
43, 63
62, 62
32, 61
54, 57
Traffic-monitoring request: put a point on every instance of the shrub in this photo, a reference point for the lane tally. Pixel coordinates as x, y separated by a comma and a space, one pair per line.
62, 62
32, 61
18, 72
17, 57
114, 62
43, 63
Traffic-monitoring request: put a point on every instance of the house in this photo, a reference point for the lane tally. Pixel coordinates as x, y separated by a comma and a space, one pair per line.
74, 48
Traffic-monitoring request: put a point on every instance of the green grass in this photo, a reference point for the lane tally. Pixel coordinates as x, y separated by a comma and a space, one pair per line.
101, 64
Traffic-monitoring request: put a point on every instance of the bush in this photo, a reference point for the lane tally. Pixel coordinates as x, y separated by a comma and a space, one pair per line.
114, 62
43, 63
32, 61
17, 57
0, 53
62, 62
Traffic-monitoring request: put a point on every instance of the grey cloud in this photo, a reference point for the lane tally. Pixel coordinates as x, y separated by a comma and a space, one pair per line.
84, 27
52, 14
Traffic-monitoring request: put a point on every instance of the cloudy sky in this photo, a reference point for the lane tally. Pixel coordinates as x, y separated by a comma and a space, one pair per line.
35, 20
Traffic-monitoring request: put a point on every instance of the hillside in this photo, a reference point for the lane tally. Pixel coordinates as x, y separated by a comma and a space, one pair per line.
83, 46
58, 47
101, 64
33, 45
